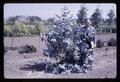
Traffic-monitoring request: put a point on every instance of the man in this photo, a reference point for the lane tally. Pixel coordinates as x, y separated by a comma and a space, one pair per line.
89, 36
89, 31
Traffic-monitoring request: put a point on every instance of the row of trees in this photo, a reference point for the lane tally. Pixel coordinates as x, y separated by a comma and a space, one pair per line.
21, 29
24, 19
34, 25
96, 17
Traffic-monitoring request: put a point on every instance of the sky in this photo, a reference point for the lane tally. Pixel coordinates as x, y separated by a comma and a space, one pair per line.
46, 10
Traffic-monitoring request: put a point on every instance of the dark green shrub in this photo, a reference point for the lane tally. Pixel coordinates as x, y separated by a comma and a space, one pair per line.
99, 44
27, 49
111, 42
114, 30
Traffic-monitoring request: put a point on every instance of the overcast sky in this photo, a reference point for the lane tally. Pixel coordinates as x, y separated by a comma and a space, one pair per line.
47, 10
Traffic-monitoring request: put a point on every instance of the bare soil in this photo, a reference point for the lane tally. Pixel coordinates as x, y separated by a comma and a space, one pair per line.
104, 63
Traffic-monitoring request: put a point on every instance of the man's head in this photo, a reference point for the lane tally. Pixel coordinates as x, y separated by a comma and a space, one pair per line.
87, 22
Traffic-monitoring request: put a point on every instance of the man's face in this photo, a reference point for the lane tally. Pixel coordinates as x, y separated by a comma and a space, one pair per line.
87, 22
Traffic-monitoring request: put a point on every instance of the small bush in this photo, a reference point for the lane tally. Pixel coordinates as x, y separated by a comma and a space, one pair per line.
27, 49
111, 42
99, 43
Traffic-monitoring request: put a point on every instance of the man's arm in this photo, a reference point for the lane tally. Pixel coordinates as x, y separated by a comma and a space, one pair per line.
93, 42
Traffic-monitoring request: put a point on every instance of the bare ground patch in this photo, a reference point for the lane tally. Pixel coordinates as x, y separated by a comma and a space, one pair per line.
105, 62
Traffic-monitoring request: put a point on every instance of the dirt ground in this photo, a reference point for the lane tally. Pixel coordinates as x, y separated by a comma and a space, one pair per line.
104, 63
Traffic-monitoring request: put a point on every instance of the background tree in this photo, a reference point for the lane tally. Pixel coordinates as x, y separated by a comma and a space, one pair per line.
82, 15
96, 18
19, 28
34, 19
111, 16
7, 30
40, 27
11, 20
50, 21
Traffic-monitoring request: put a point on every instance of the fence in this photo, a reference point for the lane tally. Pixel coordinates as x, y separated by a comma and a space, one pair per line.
106, 30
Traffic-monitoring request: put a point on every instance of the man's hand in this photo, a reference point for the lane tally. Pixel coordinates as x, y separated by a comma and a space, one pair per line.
93, 45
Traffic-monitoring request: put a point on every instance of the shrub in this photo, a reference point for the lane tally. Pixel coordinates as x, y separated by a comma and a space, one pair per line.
114, 30
68, 45
99, 43
111, 42
27, 49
